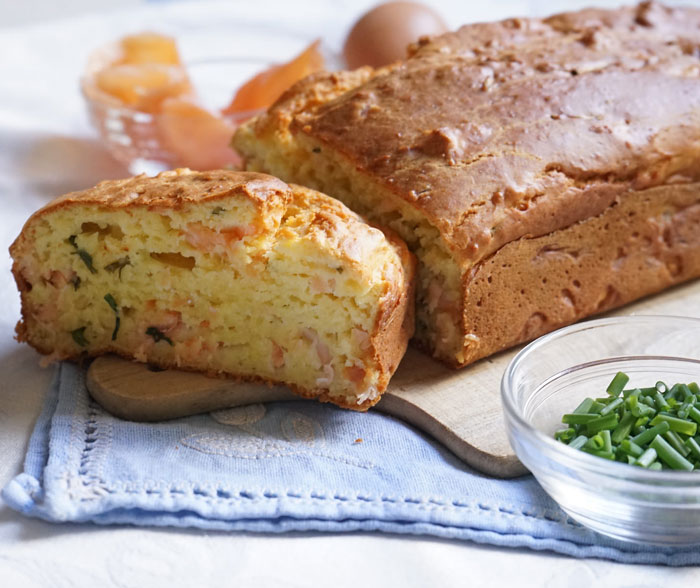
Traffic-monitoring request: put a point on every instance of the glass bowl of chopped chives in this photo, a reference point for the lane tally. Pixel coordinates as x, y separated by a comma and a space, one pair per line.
606, 415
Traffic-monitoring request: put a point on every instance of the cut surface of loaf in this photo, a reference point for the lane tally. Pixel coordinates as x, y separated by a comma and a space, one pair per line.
541, 170
223, 272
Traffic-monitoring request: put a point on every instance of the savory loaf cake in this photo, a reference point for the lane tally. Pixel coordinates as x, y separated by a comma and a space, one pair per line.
541, 170
224, 272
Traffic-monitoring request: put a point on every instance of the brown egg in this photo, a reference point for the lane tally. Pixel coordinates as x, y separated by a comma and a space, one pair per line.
382, 34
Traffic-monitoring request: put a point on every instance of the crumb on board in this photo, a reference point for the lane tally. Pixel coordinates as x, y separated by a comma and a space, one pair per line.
358, 440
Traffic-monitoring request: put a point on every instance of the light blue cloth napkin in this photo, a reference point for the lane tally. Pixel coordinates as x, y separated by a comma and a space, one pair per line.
291, 466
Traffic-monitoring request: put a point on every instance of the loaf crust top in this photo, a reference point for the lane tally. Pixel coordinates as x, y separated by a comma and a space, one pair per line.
173, 189
519, 127
324, 220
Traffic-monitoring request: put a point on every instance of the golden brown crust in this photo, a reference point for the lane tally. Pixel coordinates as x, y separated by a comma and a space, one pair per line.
310, 93
395, 323
175, 189
534, 285
544, 116
172, 189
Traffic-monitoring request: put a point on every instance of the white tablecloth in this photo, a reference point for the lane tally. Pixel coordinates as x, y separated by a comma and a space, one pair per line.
47, 148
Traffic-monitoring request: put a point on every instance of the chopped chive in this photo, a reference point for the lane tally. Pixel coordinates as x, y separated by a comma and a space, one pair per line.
584, 407
75, 281
669, 455
640, 425
599, 453
565, 434
676, 424
694, 388
648, 391
683, 411
685, 391
79, 336
158, 335
82, 254
631, 448
656, 466
109, 299
218, 210
676, 442
647, 407
647, 458
638, 409
617, 384
641, 421
635, 392
578, 419
692, 444
673, 392
609, 421
661, 387
596, 407
87, 260
649, 434
596, 442
623, 428
578, 442
612, 406
660, 401
694, 414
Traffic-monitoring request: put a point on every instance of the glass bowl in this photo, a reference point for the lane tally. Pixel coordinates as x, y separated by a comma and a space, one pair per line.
553, 374
135, 137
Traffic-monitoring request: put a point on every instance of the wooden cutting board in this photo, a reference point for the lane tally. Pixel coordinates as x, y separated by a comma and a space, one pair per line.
461, 409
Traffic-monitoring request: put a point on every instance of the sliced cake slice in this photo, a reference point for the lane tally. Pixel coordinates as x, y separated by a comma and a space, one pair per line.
222, 272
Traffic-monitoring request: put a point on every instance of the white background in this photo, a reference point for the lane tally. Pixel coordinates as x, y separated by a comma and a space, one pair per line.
47, 148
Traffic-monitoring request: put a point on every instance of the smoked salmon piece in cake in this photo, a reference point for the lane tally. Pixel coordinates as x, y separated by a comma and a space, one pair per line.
227, 273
